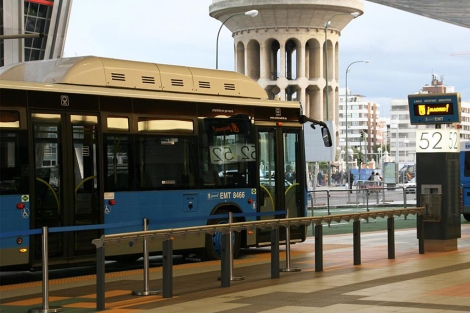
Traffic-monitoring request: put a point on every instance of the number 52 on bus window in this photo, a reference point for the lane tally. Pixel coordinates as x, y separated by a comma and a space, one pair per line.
437, 140
232, 153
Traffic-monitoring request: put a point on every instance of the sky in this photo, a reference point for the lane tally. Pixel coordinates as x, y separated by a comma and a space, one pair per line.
404, 49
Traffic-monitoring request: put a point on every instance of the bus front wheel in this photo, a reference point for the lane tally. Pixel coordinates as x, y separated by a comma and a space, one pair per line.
466, 216
214, 241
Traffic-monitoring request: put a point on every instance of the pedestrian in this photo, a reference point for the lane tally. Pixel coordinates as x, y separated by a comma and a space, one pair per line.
320, 178
351, 181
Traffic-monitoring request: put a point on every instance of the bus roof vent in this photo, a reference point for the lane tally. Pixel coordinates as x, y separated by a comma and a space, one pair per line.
204, 84
177, 82
148, 80
118, 76
114, 73
229, 87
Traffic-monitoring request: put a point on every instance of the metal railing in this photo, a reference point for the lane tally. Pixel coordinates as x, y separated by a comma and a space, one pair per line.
168, 235
366, 197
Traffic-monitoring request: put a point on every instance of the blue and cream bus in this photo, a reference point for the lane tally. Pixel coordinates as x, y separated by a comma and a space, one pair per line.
465, 179
98, 141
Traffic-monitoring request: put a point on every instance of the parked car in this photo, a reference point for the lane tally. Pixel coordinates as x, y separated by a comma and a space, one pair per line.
410, 186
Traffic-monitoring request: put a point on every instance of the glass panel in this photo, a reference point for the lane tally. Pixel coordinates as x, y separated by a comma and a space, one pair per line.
37, 20
165, 125
117, 163
292, 189
118, 122
166, 162
77, 119
229, 154
9, 119
47, 165
290, 157
267, 153
48, 192
85, 174
14, 171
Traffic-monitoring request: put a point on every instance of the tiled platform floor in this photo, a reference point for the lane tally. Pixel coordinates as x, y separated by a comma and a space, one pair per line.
412, 282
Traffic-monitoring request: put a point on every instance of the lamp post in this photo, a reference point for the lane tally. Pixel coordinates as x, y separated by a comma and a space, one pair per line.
380, 158
395, 125
325, 48
346, 108
342, 161
251, 13
327, 24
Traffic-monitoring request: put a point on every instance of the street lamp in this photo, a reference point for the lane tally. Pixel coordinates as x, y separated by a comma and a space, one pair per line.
346, 106
395, 125
251, 13
380, 158
327, 24
342, 160
325, 48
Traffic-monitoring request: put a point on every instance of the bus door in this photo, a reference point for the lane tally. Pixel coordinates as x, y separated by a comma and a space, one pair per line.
281, 177
65, 189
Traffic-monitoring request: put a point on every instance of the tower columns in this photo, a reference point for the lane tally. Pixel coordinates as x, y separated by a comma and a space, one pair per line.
283, 48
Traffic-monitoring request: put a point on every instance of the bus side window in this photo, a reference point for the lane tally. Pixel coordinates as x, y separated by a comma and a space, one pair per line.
166, 162
117, 163
13, 162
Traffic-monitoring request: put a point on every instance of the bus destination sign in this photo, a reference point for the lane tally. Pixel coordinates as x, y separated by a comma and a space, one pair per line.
442, 108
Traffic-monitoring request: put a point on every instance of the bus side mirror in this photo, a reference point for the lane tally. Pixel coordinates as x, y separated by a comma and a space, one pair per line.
325, 134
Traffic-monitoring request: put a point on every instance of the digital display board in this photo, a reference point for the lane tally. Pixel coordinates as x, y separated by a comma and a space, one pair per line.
442, 108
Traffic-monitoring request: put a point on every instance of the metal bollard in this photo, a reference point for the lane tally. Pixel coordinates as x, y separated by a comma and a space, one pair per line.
100, 275
45, 278
367, 200
420, 232
230, 248
224, 261
168, 268
318, 247
312, 197
288, 268
328, 201
275, 252
391, 236
230, 220
357, 242
146, 291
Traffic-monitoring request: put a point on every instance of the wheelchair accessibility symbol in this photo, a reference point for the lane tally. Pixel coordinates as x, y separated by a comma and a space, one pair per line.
25, 213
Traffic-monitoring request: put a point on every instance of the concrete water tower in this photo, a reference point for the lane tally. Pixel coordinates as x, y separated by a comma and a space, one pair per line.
282, 48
